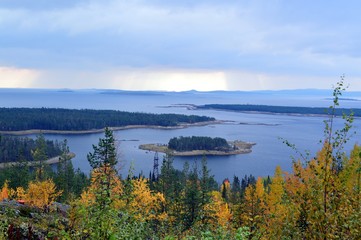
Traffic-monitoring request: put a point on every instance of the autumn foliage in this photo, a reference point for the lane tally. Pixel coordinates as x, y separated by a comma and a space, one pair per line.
319, 199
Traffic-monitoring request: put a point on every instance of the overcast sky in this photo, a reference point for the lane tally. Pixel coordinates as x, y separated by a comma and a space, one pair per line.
180, 45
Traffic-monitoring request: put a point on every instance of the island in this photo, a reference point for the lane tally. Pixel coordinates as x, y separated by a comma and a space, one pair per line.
200, 145
23, 121
268, 109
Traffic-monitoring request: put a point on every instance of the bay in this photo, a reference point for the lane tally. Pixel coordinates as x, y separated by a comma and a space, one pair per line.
263, 129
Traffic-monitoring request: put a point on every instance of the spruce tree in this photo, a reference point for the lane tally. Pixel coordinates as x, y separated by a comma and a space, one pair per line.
103, 161
104, 154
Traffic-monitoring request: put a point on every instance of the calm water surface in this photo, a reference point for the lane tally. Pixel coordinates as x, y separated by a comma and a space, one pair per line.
263, 129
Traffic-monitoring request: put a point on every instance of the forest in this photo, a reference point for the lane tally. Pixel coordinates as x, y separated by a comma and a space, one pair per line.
17, 119
182, 144
15, 149
320, 198
282, 109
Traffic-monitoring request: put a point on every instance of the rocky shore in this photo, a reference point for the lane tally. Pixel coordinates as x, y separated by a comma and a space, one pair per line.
39, 131
239, 147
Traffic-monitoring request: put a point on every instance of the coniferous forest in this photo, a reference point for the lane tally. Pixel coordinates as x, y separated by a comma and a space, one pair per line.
198, 143
319, 199
281, 109
13, 149
17, 119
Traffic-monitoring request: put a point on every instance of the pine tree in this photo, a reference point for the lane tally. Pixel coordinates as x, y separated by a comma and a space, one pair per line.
103, 197
39, 155
104, 154
192, 198
65, 176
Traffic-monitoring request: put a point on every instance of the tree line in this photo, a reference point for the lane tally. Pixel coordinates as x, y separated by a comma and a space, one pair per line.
15, 149
67, 179
182, 144
16, 119
282, 109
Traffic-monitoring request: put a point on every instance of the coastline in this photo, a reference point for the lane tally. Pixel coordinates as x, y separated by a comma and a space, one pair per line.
199, 107
49, 161
242, 148
90, 131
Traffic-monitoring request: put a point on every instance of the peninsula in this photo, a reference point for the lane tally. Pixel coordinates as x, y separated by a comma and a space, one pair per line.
23, 121
197, 146
267, 109
49, 161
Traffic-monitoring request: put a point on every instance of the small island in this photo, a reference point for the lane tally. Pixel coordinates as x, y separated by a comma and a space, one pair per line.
199, 145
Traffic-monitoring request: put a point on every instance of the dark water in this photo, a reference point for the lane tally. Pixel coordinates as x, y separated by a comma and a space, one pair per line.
263, 129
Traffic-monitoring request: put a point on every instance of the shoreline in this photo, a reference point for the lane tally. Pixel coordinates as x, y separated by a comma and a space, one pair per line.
90, 131
242, 148
49, 161
199, 107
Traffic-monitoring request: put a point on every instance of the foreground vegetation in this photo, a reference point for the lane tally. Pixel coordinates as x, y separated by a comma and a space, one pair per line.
314, 201
319, 199
18, 119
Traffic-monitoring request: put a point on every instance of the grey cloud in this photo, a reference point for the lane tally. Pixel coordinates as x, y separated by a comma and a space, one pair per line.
284, 37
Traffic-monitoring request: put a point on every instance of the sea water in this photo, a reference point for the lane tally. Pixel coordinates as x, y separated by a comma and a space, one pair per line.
268, 131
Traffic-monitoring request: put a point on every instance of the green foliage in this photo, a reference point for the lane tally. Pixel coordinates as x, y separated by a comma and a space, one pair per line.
281, 109
182, 144
17, 119
104, 154
337, 138
17, 175
100, 219
4, 225
192, 202
71, 182
14, 149
242, 233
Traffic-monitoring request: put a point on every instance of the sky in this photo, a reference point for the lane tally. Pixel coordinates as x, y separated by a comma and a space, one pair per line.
180, 45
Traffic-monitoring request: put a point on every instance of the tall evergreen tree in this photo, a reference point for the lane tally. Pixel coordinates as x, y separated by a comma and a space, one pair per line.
104, 154
40, 156
235, 190
70, 181
192, 198
103, 161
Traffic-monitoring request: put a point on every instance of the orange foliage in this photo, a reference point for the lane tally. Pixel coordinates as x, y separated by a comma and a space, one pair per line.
220, 214
41, 194
144, 204
275, 211
4, 194
254, 206
88, 197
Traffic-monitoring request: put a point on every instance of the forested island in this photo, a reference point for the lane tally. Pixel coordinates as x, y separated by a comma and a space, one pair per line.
200, 145
279, 109
56, 120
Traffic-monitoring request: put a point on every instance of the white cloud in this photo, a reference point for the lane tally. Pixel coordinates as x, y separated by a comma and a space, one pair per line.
248, 81
135, 79
11, 77
166, 79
